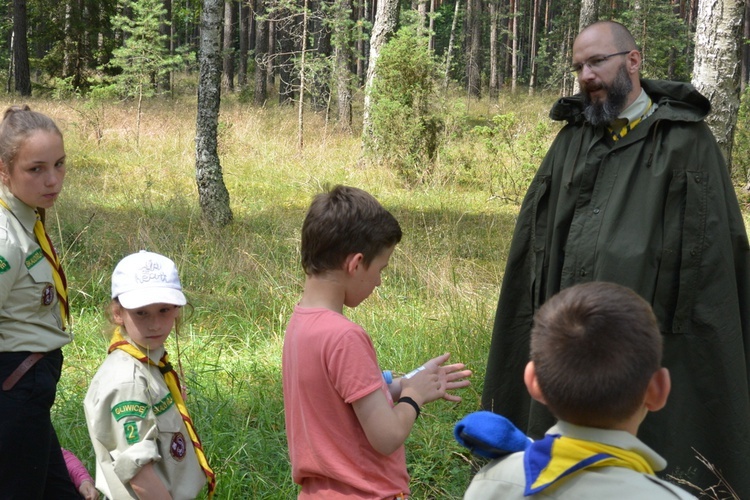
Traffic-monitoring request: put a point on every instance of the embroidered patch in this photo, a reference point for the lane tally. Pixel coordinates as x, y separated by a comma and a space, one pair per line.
178, 447
48, 295
4, 265
164, 404
130, 409
131, 432
34, 258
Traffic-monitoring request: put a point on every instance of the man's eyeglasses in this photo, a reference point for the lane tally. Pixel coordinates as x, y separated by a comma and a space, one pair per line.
595, 62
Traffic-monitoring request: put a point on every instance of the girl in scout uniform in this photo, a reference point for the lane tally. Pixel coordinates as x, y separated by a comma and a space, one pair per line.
34, 314
142, 433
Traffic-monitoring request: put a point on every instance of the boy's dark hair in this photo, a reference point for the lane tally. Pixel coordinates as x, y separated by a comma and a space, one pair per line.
341, 222
595, 347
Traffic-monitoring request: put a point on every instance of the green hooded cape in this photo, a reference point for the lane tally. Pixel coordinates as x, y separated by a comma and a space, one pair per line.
655, 211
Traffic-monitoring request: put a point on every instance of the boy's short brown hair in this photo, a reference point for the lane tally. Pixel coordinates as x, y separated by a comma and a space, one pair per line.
344, 221
595, 347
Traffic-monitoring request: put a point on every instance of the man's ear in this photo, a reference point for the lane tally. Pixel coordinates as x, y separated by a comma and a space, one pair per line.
532, 383
658, 389
634, 61
353, 260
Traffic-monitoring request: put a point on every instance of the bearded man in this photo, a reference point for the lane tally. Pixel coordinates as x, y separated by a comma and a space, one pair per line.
634, 190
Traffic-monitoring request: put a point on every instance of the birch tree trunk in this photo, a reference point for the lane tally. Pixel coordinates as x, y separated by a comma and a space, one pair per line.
261, 54
212, 193
386, 18
716, 68
534, 45
228, 54
589, 14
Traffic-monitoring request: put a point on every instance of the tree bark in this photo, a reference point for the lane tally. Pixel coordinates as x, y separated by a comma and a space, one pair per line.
449, 52
227, 77
474, 33
716, 68
212, 193
244, 34
514, 49
261, 56
342, 51
21, 71
534, 45
494, 20
386, 18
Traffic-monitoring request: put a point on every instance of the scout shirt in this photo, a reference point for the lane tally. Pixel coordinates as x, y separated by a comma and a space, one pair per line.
505, 477
29, 311
132, 421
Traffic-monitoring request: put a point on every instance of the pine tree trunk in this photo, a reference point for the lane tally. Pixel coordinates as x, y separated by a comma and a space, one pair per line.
449, 52
474, 31
21, 71
494, 20
212, 193
244, 33
716, 68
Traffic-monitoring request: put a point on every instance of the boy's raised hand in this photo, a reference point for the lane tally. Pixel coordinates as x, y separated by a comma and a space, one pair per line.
432, 380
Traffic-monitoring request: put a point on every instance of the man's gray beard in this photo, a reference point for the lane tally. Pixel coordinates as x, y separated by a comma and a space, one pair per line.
605, 112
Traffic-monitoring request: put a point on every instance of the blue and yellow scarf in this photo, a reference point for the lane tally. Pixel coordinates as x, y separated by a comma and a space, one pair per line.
556, 457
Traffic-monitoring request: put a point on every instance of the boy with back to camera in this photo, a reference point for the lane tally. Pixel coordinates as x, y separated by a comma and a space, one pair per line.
596, 363
345, 433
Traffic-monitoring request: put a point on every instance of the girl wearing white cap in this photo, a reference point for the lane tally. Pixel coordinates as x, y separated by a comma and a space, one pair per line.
145, 442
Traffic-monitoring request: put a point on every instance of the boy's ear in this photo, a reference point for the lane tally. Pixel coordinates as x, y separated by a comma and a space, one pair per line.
532, 383
353, 260
658, 389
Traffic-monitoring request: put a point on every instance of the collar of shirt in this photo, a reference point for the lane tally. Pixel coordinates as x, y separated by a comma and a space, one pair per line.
21, 211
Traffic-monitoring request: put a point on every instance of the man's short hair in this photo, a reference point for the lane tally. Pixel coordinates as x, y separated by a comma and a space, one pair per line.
595, 347
345, 221
621, 36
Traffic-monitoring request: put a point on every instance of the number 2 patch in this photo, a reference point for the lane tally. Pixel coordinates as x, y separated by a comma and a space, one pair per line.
131, 432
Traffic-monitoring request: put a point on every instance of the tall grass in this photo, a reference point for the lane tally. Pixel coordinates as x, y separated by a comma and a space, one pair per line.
438, 294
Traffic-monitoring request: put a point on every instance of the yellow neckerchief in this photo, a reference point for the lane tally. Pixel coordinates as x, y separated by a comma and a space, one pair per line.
555, 457
58, 275
616, 136
173, 382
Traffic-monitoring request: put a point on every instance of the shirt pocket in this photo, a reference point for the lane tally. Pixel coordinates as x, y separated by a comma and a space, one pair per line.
174, 441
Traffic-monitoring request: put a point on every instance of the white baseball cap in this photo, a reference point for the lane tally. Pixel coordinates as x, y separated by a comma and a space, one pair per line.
146, 278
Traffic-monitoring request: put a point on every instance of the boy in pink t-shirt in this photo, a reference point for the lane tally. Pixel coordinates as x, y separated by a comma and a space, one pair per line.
346, 436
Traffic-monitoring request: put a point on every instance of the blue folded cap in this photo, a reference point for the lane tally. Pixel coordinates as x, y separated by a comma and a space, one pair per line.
489, 435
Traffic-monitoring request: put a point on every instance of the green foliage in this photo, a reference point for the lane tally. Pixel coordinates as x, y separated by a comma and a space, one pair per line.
405, 131
515, 153
144, 57
667, 44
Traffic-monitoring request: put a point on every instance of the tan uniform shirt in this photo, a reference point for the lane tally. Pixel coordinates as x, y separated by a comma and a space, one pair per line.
29, 311
133, 421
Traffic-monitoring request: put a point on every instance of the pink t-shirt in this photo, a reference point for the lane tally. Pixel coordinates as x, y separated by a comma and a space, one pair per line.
329, 362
